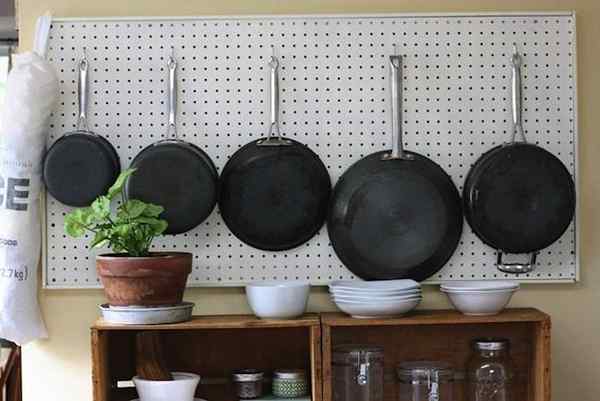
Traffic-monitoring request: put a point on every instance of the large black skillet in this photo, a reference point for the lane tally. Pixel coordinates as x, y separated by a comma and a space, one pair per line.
395, 214
274, 191
518, 197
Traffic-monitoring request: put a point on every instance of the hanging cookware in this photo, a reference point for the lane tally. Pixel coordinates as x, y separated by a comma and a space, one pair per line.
274, 191
518, 197
80, 165
175, 174
395, 214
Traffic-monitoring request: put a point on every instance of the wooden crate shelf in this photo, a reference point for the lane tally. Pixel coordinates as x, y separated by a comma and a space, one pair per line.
211, 346
445, 336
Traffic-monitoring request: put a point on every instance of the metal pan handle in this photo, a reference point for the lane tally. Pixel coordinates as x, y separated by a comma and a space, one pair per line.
274, 138
396, 96
516, 99
82, 92
172, 100
516, 268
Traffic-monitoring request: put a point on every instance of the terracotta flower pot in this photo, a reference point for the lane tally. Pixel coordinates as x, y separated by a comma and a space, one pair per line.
158, 279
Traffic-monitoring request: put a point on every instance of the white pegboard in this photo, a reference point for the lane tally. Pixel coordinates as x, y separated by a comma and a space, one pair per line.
334, 97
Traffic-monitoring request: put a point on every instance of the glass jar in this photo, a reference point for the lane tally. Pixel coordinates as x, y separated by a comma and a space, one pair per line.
425, 381
290, 383
357, 373
248, 383
490, 371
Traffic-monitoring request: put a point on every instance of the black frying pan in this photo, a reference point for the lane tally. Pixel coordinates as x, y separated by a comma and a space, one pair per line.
80, 165
274, 192
175, 174
395, 214
518, 197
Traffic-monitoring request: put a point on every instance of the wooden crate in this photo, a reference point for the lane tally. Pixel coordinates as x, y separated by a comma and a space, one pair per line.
211, 346
445, 336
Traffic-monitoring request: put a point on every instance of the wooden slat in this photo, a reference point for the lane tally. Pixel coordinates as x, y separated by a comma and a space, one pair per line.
542, 362
100, 375
217, 322
326, 355
316, 364
424, 317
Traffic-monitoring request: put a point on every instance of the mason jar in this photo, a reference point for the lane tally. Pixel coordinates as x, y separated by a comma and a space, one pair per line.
425, 381
490, 371
357, 373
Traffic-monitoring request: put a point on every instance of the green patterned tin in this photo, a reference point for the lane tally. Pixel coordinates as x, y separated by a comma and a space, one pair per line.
290, 383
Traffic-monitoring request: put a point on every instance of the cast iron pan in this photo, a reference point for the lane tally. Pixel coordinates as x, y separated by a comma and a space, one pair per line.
395, 214
518, 197
274, 192
175, 174
80, 165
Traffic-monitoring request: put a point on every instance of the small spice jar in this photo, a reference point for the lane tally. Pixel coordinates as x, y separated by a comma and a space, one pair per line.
248, 383
290, 383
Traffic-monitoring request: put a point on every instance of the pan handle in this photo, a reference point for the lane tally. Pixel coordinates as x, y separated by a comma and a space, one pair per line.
274, 138
82, 92
516, 99
396, 96
516, 268
172, 93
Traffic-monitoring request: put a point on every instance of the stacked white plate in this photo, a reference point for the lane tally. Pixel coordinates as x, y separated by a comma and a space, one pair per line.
372, 299
480, 298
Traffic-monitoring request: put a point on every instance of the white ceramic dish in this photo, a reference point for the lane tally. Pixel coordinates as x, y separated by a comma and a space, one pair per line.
479, 285
477, 292
195, 399
382, 309
278, 299
377, 286
374, 299
145, 315
359, 293
483, 303
181, 388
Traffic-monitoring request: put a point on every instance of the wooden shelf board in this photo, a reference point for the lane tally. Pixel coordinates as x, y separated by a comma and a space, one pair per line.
217, 322
426, 317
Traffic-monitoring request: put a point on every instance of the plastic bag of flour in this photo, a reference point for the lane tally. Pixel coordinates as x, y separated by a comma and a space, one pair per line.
31, 91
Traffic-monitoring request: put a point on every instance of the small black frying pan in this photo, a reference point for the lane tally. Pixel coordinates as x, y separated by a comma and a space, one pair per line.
518, 197
80, 165
274, 192
395, 214
175, 174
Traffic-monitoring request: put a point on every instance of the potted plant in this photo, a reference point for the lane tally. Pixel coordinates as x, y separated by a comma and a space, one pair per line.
132, 275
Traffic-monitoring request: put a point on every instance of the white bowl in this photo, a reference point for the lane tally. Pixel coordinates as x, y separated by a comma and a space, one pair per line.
479, 285
375, 299
181, 388
375, 286
480, 303
374, 310
358, 293
278, 299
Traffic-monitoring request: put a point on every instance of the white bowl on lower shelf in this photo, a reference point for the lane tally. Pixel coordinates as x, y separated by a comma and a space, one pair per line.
181, 388
480, 303
278, 299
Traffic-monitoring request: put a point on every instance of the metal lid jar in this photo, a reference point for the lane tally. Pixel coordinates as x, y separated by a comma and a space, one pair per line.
248, 383
357, 373
490, 371
425, 381
290, 383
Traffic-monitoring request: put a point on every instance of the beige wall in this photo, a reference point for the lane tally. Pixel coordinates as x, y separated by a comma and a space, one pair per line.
59, 368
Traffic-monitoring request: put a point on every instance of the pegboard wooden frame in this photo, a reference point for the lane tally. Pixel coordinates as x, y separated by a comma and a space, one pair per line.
333, 83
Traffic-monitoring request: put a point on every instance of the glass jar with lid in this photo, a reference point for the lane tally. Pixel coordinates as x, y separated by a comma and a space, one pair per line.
248, 383
425, 381
490, 371
290, 383
357, 373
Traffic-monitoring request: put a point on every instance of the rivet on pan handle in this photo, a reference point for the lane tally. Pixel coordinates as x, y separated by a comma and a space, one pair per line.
82, 92
516, 268
516, 62
274, 138
396, 96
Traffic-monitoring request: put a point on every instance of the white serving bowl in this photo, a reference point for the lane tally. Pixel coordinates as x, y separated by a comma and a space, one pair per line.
374, 286
181, 388
480, 303
278, 299
399, 293
479, 285
374, 299
373, 310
